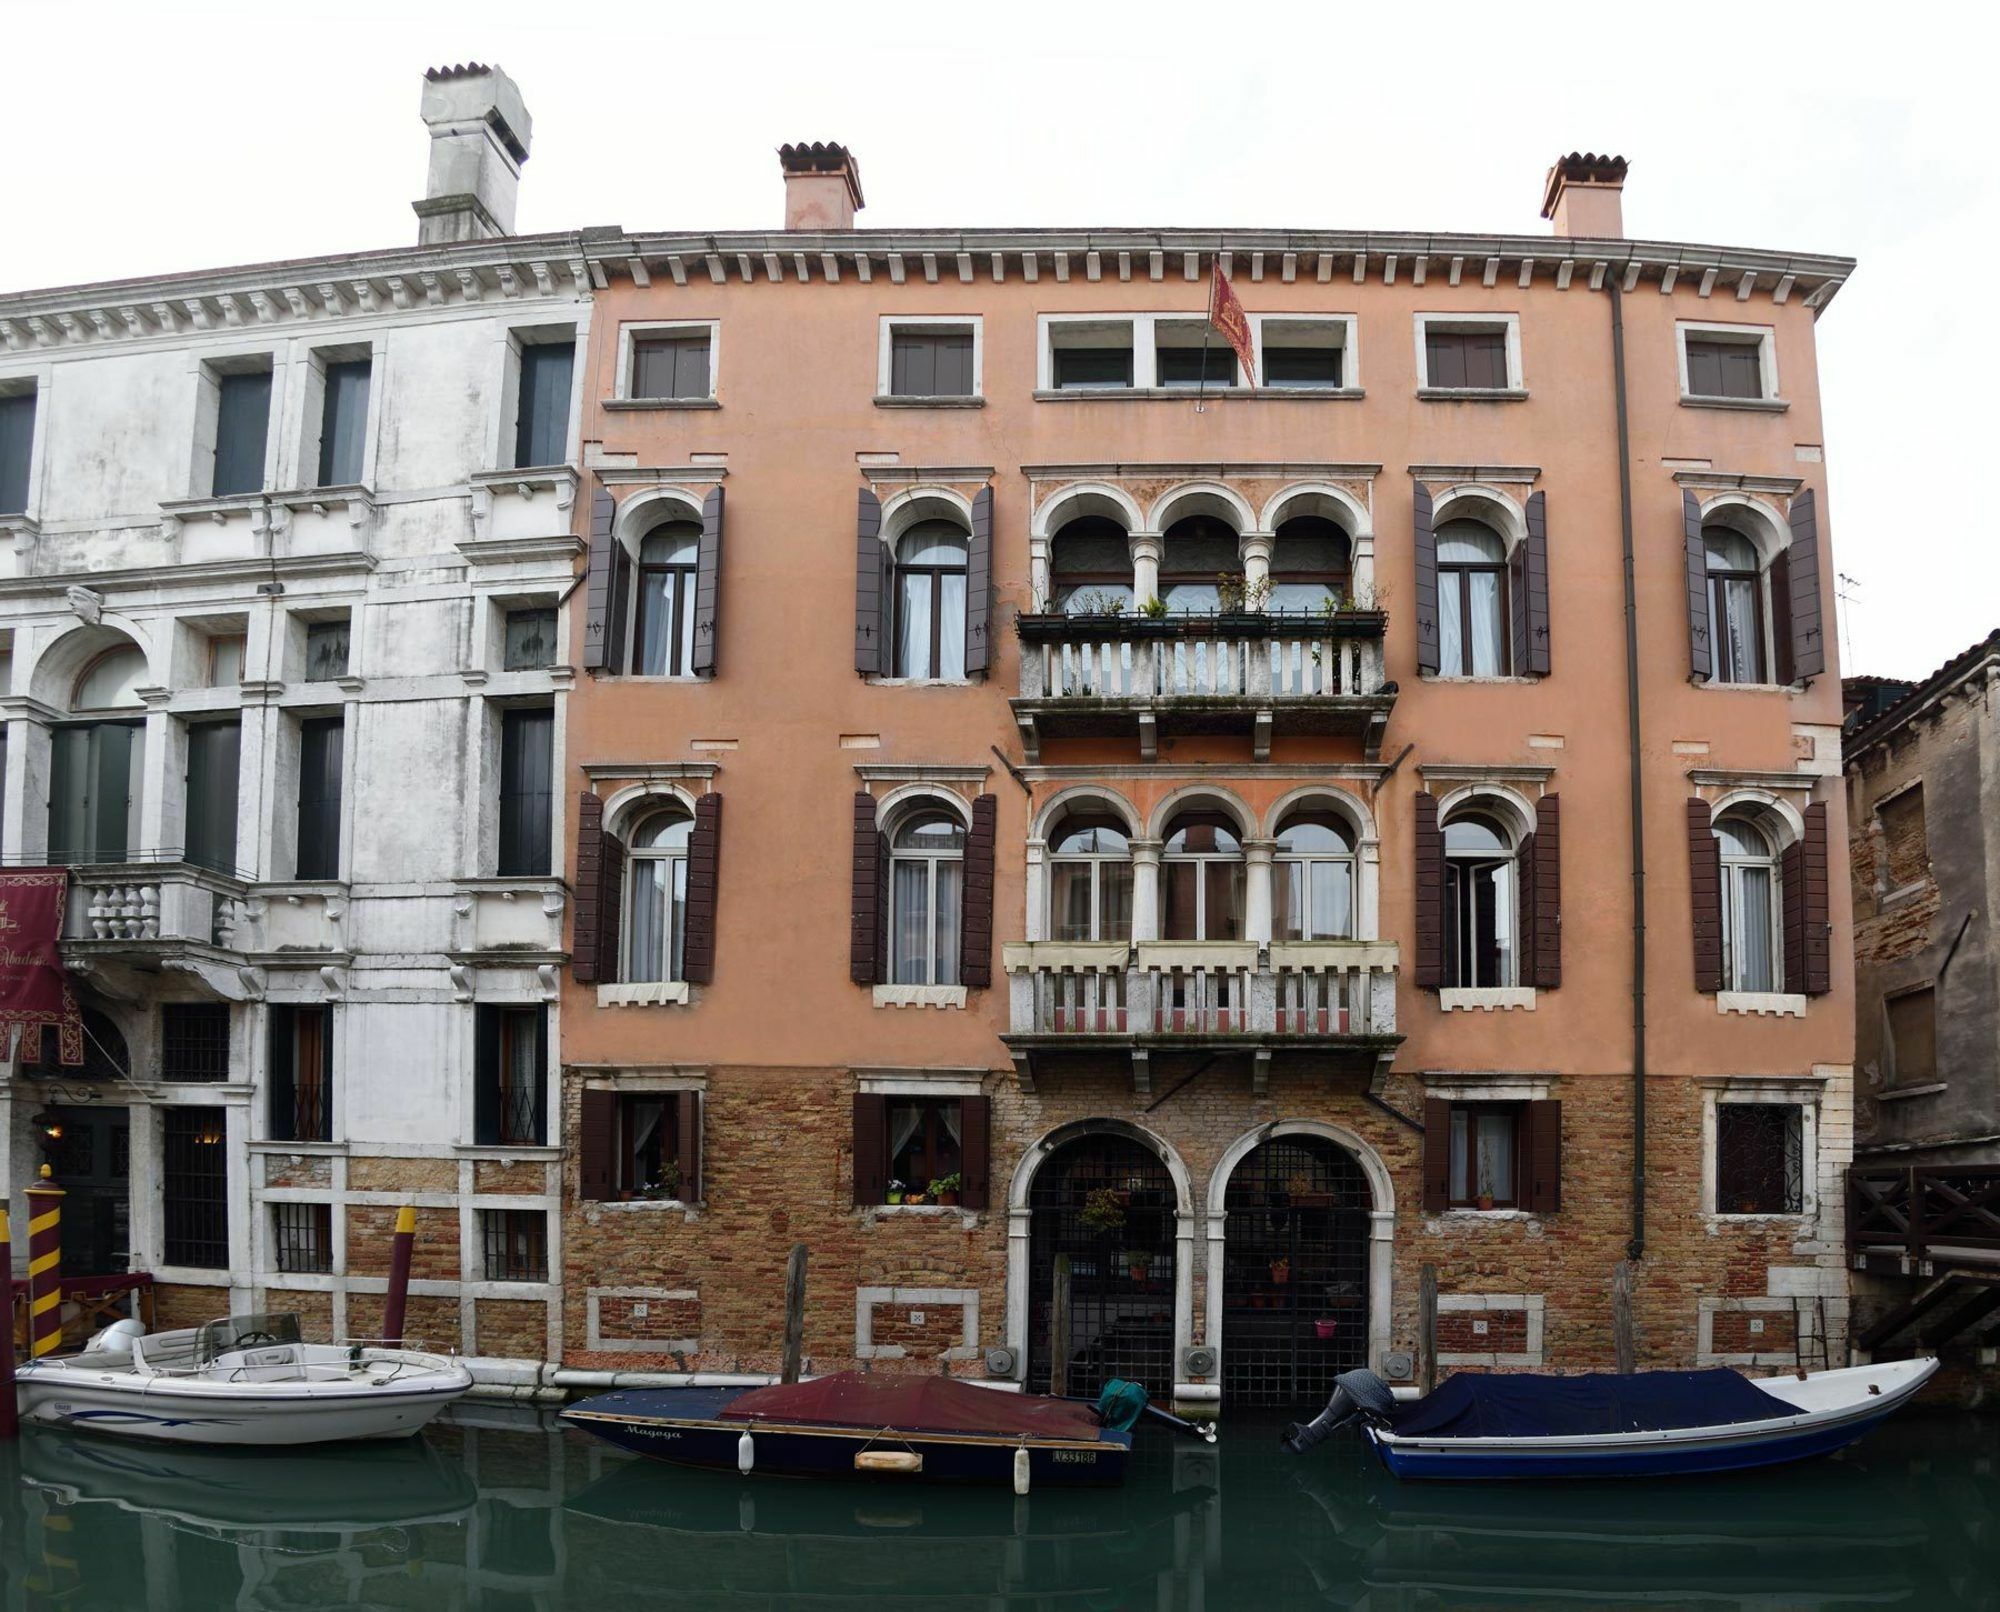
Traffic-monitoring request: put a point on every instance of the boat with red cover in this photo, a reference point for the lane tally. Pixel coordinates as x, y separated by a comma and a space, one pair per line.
873, 1425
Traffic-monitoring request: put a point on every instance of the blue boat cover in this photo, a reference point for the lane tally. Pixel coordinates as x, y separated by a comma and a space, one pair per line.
1470, 1405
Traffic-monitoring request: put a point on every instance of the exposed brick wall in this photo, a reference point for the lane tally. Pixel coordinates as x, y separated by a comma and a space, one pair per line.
367, 1174
371, 1238
500, 1175
315, 1311
1735, 1334
187, 1304
896, 1326
280, 1171
1506, 1332
648, 1320
428, 1320
516, 1329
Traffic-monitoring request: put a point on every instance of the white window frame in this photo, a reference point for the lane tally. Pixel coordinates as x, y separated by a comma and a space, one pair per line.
1349, 345
1096, 862
1350, 859
33, 380
1141, 328
1479, 324
676, 910
1202, 859
1762, 337
1733, 903
944, 324
921, 806
208, 369
638, 330
306, 406
1803, 1095
540, 334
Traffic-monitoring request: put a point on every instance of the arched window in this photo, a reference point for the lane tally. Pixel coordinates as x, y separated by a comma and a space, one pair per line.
1472, 600
1750, 916
96, 764
1199, 562
926, 884
656, 896
1314, 883
1735, 606
1090, 567
1479, 900
1090, 879
930, 601
111, 681
1202, 878
1310, 562
663, 621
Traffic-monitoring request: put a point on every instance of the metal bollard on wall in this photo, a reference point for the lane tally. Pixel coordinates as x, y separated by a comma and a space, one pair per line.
45, 1200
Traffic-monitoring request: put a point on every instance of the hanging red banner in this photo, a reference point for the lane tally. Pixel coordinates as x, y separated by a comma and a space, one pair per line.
34, 987
1227, 315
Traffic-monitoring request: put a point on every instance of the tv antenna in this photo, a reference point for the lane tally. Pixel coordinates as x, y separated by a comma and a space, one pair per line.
1846, 589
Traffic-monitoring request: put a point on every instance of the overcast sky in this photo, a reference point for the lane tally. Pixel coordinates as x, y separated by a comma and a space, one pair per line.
143, 139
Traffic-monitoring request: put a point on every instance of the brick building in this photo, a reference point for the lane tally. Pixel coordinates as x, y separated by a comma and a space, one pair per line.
1191, 817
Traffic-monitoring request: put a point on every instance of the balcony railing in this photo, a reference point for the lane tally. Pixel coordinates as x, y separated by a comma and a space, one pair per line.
1924, 1213
153, 905
1095, 675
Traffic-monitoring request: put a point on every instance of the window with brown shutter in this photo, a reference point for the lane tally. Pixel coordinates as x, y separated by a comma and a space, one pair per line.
871, 1149
1429, 865
1424, 545
1437, 1153
1912, 1018
687, 1143
871, 589
708, 588
704, 858
979, 584
586, 908
976, 1151
1544, 1156
1504, 1154
975, 964
1719, 367
604, 590
1542, 899
1817, 936
907, 1143
1701, 655
1801, 594
1531, 597
1705, 896
866, 925
1466, 360
596, 1145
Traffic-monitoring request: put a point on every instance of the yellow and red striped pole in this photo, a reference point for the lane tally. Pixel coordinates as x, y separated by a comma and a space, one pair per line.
399, 1274
44, 1266
10, 1423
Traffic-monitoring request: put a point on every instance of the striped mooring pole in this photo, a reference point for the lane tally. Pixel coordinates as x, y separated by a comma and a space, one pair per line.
399, 1274
44, 1266
10, 1415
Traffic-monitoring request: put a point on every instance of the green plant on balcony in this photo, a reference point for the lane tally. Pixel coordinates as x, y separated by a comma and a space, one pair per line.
1154, 609
1234, 594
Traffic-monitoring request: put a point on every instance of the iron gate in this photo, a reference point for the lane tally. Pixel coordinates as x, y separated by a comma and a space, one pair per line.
1295, 1273
1108, 1203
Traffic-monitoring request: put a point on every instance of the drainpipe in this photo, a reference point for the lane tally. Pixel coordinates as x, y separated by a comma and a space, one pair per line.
1636, 1248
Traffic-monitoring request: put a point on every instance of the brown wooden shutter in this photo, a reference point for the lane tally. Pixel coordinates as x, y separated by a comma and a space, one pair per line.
1437, 1153
871, 602
866, 894
1792, 916
1808, 932
1545, 895
1705, 896
1429, 864
979, 584
708, 587
1526, 911
1516, 605
597, 585
871, 1148
1534, 596
975, 1155
1808, 640
610, 909
704, 857
975, 962
1779, 579
587, 914
882, 908
1424, 544
1544, 1156
1701, 658
596, 1143
687, 1153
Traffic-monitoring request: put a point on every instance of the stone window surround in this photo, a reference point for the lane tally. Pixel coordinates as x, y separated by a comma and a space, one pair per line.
890, 324
1532, 1305
1887, 894
1144, 326
35, 379
868, 1299
635, 330
1508, 324
507, 391
1804, 1092
664, 1295
1763, 337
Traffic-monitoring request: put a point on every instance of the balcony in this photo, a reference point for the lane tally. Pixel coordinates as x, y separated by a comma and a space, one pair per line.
130, 918
1323, 1004
1106, 676
1911, 1219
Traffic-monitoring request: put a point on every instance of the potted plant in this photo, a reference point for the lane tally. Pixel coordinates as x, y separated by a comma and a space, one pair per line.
1305, 1195
1154, 609
1485, 1200
944, 1189
1281, 1272
665, 1184
912, 1197
896, 1191
1137, 1264
1102, 1211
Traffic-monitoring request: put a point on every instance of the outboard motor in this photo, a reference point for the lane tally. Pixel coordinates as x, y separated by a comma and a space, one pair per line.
1357, 1395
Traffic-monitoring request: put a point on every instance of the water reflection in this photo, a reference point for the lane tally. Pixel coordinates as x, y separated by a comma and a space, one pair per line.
500, 1509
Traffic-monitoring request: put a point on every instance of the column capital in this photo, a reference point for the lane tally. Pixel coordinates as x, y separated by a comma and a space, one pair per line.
1256, 852
1145, 851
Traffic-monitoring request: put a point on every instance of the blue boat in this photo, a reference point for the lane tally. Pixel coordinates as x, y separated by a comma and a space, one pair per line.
1644, 1425
936, 1429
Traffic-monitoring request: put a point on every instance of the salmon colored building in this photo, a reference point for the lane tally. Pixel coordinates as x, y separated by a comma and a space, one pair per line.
1188, 819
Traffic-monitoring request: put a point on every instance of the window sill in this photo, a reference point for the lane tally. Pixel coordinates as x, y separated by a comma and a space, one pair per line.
644, 993
1776, 1004
1903, 893
876, 680
640, 1206
304, 1150
1720, 687
1454, 677
640, 405
921, 1211
1185, 394
1472, 394
1464, 1212
948, 401
920, 996
1898, 1094
507, 1153
648, 677
1752, 405
1487, 999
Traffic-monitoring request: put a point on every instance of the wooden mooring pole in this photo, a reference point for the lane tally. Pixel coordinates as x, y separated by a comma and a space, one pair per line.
398, 1299
1621, 1315
1059, 1330
10, 1423
1427, 1323
795, 1313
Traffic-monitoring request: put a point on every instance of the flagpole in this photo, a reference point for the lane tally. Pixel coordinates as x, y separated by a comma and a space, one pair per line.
1207, 325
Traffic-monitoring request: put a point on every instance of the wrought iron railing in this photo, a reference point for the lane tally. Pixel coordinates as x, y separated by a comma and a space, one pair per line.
1923, 1210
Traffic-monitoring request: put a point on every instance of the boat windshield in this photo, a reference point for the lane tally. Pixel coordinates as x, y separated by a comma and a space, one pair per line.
219, 1338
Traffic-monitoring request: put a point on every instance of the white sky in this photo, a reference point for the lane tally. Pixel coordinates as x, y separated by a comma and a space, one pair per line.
143, 138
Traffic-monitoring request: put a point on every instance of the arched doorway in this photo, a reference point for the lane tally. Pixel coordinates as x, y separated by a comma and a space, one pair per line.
1295, 1272
1108, 1202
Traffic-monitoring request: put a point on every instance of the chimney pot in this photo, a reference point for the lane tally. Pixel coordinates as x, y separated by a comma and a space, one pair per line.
1581, 196
822, 185
480, 134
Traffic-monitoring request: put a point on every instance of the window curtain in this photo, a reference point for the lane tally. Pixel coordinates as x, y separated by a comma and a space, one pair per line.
1332, 900
648, 919
951, 625
913, 623
1736, 611
1755, 967
1451, 625
1069, 900
1461, 1155
905, 1120
950, 883
1486, 624
1114, 897
656, 620
1496, 1155
908, 949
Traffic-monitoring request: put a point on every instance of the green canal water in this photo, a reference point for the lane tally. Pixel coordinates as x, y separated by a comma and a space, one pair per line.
498, 1509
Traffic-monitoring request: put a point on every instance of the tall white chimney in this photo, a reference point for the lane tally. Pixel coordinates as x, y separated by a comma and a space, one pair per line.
480, 132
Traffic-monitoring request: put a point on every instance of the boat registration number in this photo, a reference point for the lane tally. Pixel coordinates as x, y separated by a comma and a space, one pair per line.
1074, 1457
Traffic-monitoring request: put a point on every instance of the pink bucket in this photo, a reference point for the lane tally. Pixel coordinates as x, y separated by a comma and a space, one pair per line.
1326, 1329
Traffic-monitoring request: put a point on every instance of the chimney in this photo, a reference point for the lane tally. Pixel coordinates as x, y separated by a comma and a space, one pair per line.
822, 186
1582, 196
480, 133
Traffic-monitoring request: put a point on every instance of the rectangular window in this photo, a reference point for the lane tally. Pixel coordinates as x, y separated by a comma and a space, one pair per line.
1905, 839
343, 428
302, 1236
649, 1146
300, 1080
1913, 1036
1302, 366
1480, 952
527, 791
225, 659
531, 640
1486, 1155
213, 752
322, 743
1724, 368
242, 427
326, 650
1759, 1159
194, 1042
925, 1144
17, 441
541, 422
195, 1188
1090, 355
514, 1245
510, 1104
1309, 353
1466, 359
94, 791
671, 368
930, 363
1193, 366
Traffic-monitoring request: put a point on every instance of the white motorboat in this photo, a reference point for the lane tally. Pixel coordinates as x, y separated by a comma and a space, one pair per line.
249, 1380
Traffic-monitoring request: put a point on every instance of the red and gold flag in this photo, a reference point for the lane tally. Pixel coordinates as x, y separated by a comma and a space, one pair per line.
34, 987
1227, 315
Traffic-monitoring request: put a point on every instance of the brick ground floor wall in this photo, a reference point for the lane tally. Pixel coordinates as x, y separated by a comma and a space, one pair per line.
666, 1286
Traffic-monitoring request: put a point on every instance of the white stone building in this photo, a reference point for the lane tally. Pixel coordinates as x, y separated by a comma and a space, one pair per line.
282, 673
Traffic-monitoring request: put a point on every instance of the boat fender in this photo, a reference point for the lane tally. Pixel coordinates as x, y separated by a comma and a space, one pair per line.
746, 1452
1021, 1470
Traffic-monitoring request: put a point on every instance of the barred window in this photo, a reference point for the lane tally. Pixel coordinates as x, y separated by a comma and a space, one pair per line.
1759, 1159
515, 1245
303, 1236
194, 1041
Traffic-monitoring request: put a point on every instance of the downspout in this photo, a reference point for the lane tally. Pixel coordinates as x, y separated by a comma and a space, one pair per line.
1636, 1248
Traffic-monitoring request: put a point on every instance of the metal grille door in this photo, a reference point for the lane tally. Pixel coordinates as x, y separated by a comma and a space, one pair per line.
1295, 1273
1108, 1203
